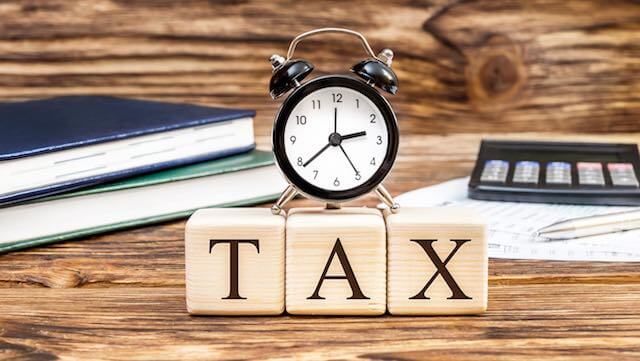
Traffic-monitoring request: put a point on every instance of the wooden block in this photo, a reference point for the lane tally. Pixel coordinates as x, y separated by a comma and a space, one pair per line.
336, 262
437, 262
234, 260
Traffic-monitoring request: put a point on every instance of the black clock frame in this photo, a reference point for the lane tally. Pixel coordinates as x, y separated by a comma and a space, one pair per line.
279, 142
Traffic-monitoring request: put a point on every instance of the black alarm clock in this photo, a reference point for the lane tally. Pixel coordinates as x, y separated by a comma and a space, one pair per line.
335, 137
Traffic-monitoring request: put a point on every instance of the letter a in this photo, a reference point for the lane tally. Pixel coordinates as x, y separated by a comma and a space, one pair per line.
348, 275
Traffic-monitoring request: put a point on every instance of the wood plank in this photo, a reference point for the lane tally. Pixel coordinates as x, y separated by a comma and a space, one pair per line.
557, 321
463, 66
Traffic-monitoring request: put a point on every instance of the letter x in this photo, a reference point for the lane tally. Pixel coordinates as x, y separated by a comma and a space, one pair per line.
441, 269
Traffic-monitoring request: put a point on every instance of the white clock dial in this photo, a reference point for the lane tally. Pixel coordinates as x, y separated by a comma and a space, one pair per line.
336, 138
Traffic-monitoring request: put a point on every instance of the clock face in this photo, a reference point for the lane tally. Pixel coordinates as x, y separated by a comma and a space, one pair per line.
337, 140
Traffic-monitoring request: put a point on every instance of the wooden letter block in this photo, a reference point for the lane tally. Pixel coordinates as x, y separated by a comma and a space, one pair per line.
437, 262
336, 262
234, 260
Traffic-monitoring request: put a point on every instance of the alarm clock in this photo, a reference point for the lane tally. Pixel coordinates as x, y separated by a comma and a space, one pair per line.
335, 138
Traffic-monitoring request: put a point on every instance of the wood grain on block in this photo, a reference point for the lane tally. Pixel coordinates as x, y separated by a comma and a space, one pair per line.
336, 262
437, 262
234, 259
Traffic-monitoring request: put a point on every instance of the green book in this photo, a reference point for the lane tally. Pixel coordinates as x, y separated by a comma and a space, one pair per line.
238, 180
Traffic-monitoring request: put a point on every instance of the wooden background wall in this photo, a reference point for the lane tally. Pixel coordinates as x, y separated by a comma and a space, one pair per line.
464, 66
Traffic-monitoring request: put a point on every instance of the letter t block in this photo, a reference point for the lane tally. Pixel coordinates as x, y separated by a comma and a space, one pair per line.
437, 262
234, 260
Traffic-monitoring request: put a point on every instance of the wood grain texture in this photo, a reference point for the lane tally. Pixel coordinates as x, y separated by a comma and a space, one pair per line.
464, 66
526, 321
122, 295
321, 244
241, 278
452, 280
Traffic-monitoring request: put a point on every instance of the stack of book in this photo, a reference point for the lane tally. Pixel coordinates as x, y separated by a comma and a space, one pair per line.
76, 166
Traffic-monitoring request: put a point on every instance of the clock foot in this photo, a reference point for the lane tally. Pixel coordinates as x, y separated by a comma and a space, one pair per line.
333, 206
386, 198
285, 197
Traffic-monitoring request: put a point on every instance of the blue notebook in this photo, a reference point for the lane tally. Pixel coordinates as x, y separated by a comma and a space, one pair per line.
59, 144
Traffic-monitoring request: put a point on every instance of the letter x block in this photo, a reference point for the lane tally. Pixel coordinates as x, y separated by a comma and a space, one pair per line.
336, 262
437, 262
234, 260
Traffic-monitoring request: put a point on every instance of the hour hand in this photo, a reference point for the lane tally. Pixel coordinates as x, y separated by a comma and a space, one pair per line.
354, 135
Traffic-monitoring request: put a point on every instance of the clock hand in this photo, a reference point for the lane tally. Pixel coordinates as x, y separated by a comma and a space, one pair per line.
353, 135
335, 120
349, 159
316, 155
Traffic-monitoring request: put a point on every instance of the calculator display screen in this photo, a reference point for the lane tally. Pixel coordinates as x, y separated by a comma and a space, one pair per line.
548, 156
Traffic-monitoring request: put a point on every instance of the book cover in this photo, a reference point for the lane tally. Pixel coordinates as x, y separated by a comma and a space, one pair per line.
59, 144
151, 198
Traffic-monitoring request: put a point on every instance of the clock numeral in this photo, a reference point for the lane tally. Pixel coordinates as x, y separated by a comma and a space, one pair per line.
357, 103
316, 104
299, 160
301, 119
373, 118
336, 182
315, 174
379, 141
293, 139
358, 176
373, 161
337, 97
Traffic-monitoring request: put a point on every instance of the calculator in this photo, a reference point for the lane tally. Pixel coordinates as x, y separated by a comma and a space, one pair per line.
556, 172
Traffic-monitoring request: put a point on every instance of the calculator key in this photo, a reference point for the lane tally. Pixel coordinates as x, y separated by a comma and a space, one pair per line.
495, 171
590, 173
622, 175
526, 172
559, 173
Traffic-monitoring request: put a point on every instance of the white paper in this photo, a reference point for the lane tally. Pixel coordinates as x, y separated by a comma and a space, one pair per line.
512, 226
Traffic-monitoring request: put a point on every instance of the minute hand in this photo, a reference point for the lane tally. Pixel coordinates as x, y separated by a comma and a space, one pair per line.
354, 135
316, 155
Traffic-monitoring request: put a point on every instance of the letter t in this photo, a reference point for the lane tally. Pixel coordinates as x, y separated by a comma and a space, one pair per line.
233, 261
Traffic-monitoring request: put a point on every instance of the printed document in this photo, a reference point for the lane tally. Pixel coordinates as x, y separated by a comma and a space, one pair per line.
512, 226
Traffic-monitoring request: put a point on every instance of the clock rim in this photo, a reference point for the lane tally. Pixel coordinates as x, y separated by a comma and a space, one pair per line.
288, 170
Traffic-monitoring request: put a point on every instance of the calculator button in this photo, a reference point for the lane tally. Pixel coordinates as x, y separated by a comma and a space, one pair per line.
495, 171
590, 173
526, 172
559, 173
622, 175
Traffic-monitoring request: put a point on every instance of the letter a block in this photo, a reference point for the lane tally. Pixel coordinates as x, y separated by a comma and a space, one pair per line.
336, 262
437, 262
234, 261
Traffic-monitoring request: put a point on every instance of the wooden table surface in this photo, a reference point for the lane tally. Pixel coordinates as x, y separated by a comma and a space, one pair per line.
122, 295
467, 69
